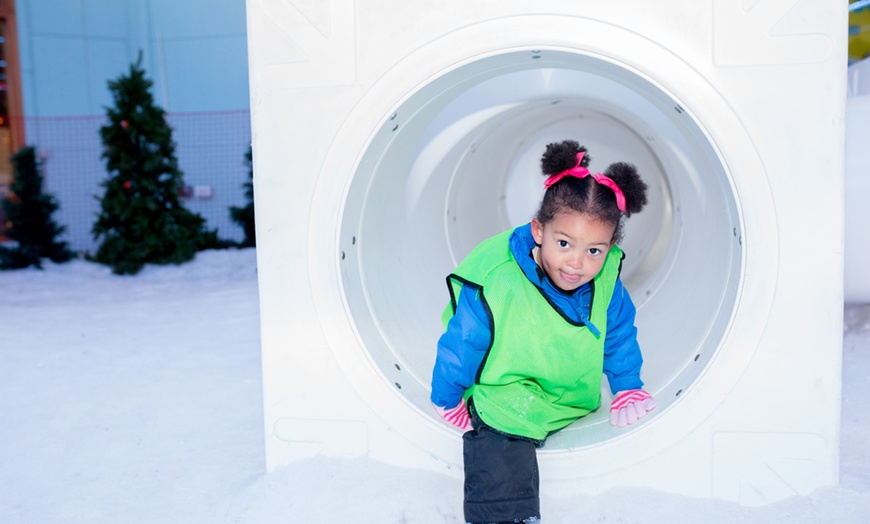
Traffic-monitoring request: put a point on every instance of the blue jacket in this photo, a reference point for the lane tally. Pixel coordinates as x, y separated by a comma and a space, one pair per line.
463, 346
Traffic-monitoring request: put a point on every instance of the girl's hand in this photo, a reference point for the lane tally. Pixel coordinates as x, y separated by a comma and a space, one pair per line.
630, 406
456, 416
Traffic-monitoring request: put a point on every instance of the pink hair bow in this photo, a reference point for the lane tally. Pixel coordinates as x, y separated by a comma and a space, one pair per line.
581, 172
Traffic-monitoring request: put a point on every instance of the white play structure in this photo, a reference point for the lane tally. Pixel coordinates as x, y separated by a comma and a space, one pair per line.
390, 137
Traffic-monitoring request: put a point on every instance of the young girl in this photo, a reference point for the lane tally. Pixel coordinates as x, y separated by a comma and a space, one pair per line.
536, 315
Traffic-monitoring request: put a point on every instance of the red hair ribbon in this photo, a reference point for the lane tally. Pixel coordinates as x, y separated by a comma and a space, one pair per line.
581, 172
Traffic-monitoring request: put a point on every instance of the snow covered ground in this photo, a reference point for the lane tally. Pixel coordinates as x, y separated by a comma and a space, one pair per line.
137, 400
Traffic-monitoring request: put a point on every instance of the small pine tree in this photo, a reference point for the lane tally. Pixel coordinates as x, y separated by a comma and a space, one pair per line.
142, 218
244, 216
29, 211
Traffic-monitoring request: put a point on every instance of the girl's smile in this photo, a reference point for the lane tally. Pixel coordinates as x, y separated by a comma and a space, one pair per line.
573, 247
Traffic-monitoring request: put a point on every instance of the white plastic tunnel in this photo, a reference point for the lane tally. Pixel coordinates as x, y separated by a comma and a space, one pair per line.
459, 161
381, 164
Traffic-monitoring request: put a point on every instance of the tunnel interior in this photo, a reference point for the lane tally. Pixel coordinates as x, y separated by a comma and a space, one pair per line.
458, 161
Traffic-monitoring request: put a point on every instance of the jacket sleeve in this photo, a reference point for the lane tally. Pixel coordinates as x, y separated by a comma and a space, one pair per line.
622, 357
461, 349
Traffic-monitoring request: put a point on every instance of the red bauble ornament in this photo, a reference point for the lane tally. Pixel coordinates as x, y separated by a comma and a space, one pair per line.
124, 124
128, 184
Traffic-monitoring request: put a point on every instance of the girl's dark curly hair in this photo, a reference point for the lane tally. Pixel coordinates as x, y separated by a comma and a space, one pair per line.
585, 195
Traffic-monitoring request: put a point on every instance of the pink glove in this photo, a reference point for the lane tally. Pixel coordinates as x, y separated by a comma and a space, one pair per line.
629, 406
456, 416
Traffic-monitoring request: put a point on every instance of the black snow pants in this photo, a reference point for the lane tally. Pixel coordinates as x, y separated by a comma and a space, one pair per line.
501, 475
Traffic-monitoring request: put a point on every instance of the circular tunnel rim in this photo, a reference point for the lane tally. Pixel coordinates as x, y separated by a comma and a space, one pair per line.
393, 407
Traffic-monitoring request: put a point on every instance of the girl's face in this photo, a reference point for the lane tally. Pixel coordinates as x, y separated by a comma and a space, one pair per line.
573, 248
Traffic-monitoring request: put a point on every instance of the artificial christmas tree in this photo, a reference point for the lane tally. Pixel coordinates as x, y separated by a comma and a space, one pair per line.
142, 218
244, 216
28, 211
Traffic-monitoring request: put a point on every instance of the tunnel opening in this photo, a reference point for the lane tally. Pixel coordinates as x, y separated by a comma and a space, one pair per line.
458, 161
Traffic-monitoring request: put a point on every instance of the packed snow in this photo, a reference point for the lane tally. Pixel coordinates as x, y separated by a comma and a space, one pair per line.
138, 400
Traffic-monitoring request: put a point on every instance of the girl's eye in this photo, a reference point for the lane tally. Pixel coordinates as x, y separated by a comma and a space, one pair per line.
563, 243
594, 251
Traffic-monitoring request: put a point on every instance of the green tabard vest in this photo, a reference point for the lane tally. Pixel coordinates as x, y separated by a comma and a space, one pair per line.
542, 371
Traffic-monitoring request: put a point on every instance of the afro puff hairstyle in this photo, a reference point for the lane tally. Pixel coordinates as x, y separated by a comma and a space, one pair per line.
585, 196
